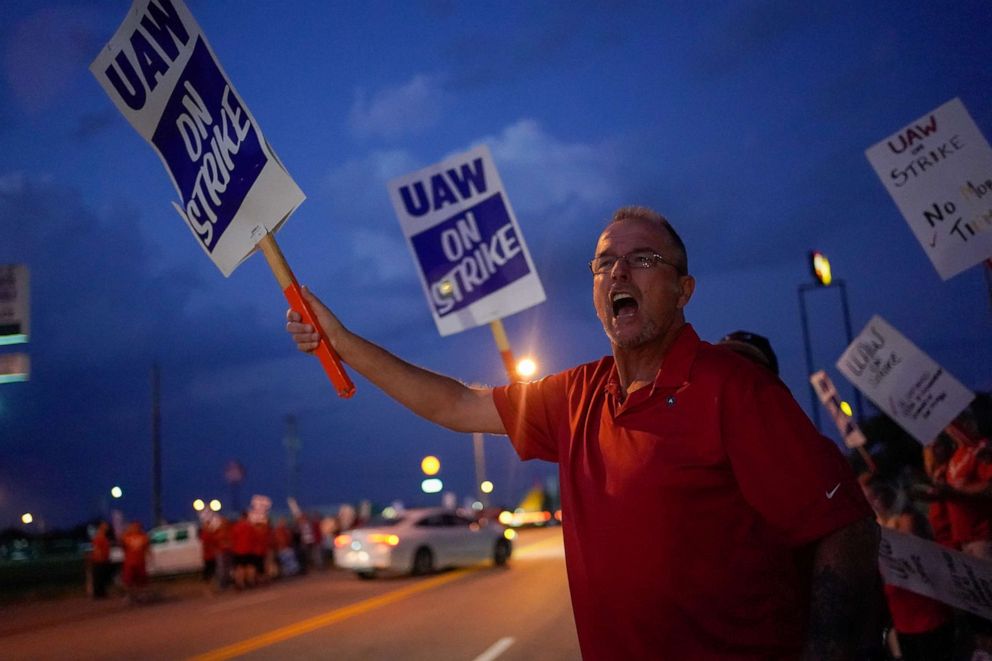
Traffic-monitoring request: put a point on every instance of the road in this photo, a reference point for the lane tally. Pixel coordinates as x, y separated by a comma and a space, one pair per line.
476, 614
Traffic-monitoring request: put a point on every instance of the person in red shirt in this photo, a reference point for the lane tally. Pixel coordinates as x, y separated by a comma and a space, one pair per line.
690, 478
210, 547
967, 489
135, 543
924, 626
243, 552
100, 566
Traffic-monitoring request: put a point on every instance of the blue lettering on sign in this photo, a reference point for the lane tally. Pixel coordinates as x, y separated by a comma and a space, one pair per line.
162, 24
444, 188
470, 255
209, 145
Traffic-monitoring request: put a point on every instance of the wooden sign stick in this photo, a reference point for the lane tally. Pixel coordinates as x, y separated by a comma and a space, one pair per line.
291, 289
503, 344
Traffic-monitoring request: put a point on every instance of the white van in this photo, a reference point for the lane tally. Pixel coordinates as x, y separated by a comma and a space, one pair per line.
175, 548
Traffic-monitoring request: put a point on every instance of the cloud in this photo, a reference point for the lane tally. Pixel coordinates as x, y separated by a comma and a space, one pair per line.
47, 53
753, 30
406, 109
92, 123
357, 188
542, 171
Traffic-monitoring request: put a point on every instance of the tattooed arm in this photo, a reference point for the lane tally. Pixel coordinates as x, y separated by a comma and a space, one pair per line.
844, 592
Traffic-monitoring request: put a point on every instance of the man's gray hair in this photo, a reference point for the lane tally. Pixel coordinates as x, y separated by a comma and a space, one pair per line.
655, 218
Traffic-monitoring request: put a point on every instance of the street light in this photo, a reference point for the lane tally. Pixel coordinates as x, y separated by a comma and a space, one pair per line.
526, 367
820, 266
116, 491
823, 279
26, 518
431, 485
214, 505
430, 464
198, 505
486, 486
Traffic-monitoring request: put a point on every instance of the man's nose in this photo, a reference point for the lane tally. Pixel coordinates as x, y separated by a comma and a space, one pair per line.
620, 270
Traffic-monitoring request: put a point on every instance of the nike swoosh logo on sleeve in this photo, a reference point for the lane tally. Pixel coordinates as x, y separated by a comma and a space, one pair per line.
830, 494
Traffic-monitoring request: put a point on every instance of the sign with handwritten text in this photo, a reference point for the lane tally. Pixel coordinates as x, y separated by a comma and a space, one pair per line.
473, 263
903, 381
938, 171
162, 75
926, 568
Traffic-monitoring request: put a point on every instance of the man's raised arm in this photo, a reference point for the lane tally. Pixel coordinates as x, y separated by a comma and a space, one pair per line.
433, 396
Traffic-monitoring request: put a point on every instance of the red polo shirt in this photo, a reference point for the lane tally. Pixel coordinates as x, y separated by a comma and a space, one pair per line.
684, 504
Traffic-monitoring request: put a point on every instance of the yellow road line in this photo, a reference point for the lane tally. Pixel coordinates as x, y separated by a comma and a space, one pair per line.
331, 617
325, 619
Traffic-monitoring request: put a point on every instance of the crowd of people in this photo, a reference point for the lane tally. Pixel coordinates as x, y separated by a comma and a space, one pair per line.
240, 554
950, 502
252, 551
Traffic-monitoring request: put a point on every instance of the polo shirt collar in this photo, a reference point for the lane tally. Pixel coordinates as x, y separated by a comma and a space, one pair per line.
675, 366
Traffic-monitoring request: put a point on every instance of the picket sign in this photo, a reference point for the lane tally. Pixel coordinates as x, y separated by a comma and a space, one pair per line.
927, 568
471, 257
161, 73
938, 170
905, 383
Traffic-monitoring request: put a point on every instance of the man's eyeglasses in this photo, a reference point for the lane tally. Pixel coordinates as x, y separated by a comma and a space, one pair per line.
641, 259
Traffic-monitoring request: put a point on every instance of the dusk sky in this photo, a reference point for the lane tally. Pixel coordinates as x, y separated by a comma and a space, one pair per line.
744, 123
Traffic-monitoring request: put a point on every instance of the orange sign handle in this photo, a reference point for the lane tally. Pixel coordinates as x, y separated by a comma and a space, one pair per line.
291, 289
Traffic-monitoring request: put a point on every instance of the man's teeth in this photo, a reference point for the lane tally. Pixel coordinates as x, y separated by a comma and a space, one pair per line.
621, 301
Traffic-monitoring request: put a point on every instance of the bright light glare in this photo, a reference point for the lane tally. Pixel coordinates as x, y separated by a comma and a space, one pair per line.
116, 492
378, 538
509, 533
214, 505
846, 408
430, 465
342, 540
445, 288
389, 512
431, 485
505, 517
477, 506
198, 505
27, 518
486, 486
821, 267
526, 367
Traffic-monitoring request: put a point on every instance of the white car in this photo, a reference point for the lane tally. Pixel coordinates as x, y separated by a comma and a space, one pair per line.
418, 541
175, 548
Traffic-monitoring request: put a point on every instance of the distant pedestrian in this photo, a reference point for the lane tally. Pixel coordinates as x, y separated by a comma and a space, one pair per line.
243, 553
100, 567
135, 573
282, 538
210, 547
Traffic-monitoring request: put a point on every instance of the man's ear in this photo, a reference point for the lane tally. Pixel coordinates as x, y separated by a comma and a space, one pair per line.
687, 285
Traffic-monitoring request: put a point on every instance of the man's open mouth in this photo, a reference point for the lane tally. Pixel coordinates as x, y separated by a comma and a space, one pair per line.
623, 303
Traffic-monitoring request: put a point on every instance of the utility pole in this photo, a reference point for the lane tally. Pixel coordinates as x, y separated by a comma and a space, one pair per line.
156, 449
480, 466
293, 445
